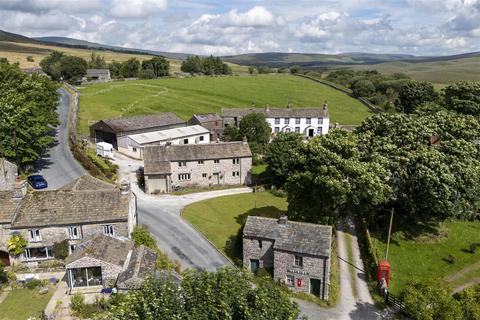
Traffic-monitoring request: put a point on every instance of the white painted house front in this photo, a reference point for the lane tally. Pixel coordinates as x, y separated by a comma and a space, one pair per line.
184, 135
308, 121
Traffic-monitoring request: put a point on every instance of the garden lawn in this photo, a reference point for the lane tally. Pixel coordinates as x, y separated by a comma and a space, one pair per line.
220, 219
189, 96
412, 260
22, 304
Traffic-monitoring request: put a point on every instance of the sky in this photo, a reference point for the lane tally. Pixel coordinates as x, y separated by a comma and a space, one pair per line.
420, 27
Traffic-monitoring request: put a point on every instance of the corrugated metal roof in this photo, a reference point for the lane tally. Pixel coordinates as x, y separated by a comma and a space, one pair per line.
164, 135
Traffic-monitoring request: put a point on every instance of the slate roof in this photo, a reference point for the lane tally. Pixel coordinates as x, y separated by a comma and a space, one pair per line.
142, 264
63, 207
143, 122
164, 135
292, 236
276, 112
87, 182
207, 117
108, 249
7, 206
157, 158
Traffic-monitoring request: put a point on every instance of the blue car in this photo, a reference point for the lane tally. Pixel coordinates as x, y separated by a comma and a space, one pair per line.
37, 182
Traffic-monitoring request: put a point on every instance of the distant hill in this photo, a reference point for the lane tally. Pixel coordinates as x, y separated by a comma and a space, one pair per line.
13, 37
64, 41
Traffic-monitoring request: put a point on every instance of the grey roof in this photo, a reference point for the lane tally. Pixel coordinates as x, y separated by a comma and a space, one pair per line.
276, 112
207, 117
62, 207
95, 72
165, 135
7, 206
157, 158
292, 236
100, 247
144, 122
87, 182
141, 265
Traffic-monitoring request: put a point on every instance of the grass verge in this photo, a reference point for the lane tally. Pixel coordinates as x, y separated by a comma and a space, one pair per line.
205, 189
351, 264
24, 303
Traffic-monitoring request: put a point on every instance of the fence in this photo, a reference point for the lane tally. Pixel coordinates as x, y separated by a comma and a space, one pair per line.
395, 302
364, 101
73, 114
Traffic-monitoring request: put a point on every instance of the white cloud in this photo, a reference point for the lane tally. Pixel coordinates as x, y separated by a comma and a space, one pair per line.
137, 8
255, 17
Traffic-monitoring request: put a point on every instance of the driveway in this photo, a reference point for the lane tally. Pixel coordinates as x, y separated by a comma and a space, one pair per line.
59, 167
174, 235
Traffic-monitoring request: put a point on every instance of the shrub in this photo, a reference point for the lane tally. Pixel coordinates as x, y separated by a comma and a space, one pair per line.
33, 284
77, 303
141, 236
263, 273
30, 59
141, 178
16, 244
3, 274
473, 247
61, 250
452, 259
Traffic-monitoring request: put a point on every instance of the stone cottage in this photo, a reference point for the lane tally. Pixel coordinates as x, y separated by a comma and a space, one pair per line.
79, 210
170, 166
298, 253
104, 261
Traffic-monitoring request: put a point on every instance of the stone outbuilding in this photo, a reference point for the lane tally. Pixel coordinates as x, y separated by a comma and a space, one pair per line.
116, 131
298, 253
103, 261
211, 121
170, 166
98, 75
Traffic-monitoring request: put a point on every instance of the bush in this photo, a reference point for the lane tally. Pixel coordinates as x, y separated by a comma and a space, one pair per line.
3, 274
473, 247
33, 284
452, 259
61, 250
77, 303
30, 59
141, 178
263, 273
141, 236
16, 244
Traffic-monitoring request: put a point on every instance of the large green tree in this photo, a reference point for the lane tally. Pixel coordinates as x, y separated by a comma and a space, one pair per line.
281, 155
225, 294
254, 127
330, 179
27, 109
159, 65
412, 94
62, 67
130, 68
463, 97
97, 62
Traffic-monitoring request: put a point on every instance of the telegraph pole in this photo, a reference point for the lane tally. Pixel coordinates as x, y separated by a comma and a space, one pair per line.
389, 233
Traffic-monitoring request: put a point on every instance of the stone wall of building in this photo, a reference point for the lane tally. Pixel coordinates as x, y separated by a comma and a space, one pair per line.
4, 236
8, 174
204, 174
110, 271
313, 267
252, 250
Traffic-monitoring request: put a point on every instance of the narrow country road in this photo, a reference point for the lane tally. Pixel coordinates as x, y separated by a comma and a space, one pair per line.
58, 166
174, 235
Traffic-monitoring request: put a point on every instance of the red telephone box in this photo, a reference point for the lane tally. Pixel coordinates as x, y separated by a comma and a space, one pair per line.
383, 271
299, 282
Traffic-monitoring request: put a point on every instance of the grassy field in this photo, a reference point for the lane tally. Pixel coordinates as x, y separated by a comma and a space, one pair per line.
210, 94
220, 219
427, 260
22, 304
439, 72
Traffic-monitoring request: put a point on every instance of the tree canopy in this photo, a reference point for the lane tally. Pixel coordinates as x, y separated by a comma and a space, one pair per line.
463, 97
159, 65
208, 65
225, 294
27, 106
60, 66
254, 127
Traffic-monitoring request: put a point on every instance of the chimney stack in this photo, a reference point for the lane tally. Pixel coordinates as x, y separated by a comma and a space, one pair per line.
283, 220
267, 108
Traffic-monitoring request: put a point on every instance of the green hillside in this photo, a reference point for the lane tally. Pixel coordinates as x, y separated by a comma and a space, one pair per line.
199, 95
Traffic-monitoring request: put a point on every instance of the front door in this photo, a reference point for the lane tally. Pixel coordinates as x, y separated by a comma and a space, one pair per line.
315, 287
311, 132
216, 178
254, 265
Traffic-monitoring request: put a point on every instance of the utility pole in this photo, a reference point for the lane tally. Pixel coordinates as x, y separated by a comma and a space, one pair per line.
389, 233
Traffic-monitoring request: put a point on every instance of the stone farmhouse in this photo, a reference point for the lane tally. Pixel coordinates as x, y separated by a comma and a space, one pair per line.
309, 122
79, 210
211, 121
184, 135
116, 131
104, 261
298, 253
99, 75
171, 166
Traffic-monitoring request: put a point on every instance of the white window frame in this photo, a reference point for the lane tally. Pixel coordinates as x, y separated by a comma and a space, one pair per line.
277, 120
236, 173
297, 129
236, 160
319, 130
297, 120
204, 175
34, 235
290, 280
309, 120
109, 230
71, 233
201, 138
320, 120
287, 120
216, 161
277, 130
185, 141
27, 256
200, 161
182, 163
184, 176
134, 149
298, 261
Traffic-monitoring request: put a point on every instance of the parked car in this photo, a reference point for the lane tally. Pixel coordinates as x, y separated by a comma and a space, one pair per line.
37, 182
